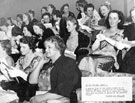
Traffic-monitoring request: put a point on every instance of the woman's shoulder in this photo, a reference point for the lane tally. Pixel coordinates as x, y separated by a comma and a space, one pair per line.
68, 60
10, 61
37, 56
82, 35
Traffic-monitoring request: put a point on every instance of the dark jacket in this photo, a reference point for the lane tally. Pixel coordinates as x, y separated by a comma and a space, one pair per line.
129, 31
128, 62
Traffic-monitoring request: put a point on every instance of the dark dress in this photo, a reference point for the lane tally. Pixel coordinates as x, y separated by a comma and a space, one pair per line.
47, 33
79, 16
129, 31
128, 62
65, 76
101, 22
83, 41
23, 88
63, 28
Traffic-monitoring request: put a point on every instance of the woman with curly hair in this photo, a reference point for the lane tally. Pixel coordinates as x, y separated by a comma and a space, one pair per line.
104, 11
106, 45
65, 11
25, 89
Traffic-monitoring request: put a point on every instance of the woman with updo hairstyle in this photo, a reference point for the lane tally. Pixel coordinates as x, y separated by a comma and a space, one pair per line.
65, 11
51, 8
43, 10
75, 39
104, 11
81, 5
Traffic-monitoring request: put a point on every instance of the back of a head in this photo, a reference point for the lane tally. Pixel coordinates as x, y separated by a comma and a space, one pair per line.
40, 25
16, 31
57, 13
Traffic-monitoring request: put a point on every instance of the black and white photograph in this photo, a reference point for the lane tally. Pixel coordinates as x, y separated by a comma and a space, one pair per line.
67, 51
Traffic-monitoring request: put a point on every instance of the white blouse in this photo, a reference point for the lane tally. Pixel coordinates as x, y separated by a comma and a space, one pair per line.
72, 43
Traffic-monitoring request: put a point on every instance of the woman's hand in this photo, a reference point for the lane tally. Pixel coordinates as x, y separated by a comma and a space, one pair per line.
101, 37
37, 99
44, 59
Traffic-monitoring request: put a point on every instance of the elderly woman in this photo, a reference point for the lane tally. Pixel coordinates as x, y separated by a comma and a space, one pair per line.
27, 63
64, 76
103, 48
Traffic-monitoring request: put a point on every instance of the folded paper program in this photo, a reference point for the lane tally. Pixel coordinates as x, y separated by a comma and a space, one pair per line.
7, 96
84, 27
119, 44
11, 72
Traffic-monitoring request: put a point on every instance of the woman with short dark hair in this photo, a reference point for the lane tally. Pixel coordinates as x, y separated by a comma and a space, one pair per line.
104, 50
25, 89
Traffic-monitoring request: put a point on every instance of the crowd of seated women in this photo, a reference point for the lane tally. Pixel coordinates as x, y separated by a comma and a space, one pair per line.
57, 50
